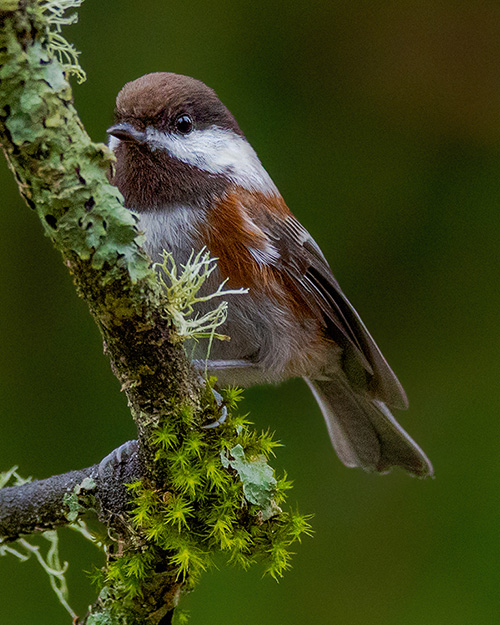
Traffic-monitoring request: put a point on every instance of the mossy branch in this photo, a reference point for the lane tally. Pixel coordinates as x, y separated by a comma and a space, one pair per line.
194, 491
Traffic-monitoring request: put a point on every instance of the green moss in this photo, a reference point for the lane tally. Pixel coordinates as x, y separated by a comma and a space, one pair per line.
209, 491
220, 495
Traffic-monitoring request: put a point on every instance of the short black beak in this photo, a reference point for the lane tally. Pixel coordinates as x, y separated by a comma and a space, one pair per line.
126, 132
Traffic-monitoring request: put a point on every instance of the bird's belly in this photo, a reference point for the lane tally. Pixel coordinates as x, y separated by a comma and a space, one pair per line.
262, 333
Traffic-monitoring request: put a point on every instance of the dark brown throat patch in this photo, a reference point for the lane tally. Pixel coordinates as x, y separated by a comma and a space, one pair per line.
152, 180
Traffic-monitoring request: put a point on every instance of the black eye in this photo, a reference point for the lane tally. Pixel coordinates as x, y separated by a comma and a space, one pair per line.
184, 124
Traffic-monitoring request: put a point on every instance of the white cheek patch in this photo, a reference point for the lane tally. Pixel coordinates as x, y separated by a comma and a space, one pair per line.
217, 151
113, 143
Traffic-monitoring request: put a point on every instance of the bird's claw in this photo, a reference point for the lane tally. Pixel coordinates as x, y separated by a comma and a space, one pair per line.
116, 458
223, 412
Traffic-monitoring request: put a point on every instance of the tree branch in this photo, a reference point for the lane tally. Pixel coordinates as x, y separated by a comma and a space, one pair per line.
61, 174
47, 504
180, 492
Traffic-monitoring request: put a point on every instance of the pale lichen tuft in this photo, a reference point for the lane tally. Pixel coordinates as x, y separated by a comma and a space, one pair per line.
57, 45
182, 289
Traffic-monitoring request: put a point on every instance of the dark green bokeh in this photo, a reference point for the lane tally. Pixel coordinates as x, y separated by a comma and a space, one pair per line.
380, 123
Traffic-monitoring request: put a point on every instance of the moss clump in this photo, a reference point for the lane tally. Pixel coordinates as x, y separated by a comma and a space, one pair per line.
220, 495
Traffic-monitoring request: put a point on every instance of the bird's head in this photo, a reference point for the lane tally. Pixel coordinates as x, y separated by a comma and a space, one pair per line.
177, 144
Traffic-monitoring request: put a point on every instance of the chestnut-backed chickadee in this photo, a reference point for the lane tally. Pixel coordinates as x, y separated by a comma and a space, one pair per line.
185, 167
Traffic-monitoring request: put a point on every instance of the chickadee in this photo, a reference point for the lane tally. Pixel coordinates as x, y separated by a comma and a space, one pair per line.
185, 167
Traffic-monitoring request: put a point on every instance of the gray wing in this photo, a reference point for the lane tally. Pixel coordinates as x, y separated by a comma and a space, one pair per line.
301, 259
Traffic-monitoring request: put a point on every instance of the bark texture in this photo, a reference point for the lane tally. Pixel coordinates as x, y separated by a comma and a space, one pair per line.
61, 174
195, 491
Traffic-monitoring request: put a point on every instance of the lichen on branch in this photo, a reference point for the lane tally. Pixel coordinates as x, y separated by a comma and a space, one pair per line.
198, 490
57, 44
61, 173
182, 285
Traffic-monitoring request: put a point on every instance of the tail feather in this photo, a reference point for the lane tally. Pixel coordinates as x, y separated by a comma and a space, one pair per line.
363, 431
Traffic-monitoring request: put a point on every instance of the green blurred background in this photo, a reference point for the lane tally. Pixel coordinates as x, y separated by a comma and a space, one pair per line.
380, 123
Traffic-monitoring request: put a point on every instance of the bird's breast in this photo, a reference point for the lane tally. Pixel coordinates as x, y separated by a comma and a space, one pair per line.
175, 229
263, 325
